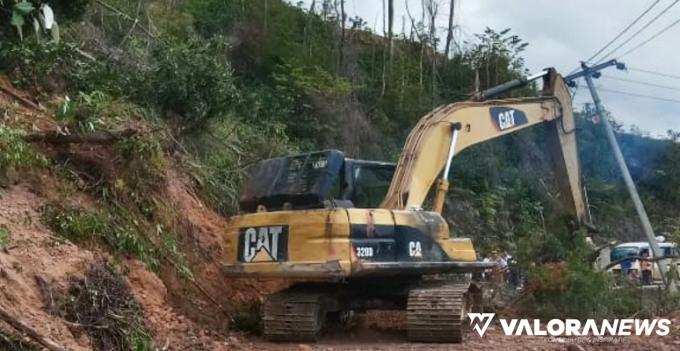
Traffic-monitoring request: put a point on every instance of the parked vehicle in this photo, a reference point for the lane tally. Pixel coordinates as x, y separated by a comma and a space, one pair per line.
635, 249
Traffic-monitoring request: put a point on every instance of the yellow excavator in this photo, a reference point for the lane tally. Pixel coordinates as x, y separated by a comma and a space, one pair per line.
352, 235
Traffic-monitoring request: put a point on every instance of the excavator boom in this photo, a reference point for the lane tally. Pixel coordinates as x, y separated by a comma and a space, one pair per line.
427, 147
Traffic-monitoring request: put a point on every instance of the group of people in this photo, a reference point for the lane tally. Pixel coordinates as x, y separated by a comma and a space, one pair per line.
638, 270
506, 269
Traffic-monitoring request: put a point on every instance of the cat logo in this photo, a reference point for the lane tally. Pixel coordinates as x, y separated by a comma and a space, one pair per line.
505, 118
415, 249
263, 244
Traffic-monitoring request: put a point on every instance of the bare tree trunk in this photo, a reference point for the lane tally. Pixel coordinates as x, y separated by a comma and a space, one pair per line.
403, 83
266, 13
342, 27
432, 13
384, 55
414, 28
384, 26
390, 28
13, 93
100, 137
342, 17
422, 55
307, 35
24, 328
449, 34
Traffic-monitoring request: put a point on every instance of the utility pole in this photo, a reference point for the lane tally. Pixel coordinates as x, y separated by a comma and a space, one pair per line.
594, 72
449, 32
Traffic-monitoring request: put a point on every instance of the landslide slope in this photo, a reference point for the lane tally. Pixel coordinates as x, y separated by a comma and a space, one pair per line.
91, 205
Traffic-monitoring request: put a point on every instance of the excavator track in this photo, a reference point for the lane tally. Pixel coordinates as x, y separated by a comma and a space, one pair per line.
293, 316
436, 313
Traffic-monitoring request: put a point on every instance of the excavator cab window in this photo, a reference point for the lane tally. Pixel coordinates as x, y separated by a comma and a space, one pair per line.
370, 185
366, 182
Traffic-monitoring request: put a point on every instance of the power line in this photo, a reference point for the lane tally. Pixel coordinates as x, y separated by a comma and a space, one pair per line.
639, 95
655, 73
624, 31
651, 38
642, 83
641, 29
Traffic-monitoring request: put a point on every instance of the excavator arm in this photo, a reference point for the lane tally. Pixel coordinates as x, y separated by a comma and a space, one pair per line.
448, 130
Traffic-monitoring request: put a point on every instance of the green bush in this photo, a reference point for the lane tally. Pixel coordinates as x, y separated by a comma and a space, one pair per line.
5, 236
573, 289
35, 64
144, 161
16, 153
190, 81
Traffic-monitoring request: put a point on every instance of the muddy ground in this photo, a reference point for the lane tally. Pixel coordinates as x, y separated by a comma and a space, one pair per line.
367, 335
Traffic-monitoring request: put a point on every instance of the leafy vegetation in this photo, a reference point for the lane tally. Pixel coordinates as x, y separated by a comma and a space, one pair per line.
5, 236
13, 343
574, 290
15, 153
190, 82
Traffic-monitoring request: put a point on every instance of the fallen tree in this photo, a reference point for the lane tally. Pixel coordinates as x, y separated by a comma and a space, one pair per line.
26, 329
14, 94
99, 138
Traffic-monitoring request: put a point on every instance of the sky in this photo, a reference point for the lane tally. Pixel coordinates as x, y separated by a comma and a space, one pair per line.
562, 33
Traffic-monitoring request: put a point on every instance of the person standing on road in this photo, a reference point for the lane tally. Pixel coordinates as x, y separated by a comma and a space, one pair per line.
634, 271
646, 268
499, 269
488, 273
625, 265
479, 276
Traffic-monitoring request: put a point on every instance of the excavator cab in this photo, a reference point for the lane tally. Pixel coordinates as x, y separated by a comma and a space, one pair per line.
323, 179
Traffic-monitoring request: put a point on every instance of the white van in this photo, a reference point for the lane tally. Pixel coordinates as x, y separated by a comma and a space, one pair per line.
635, 249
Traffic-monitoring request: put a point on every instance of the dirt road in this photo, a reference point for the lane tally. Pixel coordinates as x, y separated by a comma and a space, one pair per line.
365, 336
492, 341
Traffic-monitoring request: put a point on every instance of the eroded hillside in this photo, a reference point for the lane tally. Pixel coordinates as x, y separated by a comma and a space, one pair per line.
57, 226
